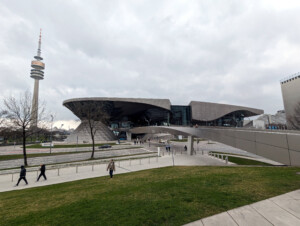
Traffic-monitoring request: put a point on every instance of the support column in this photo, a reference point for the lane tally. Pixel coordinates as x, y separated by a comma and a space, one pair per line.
128, 134
190, 145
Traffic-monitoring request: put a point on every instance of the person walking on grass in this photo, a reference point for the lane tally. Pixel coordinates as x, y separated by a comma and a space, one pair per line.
111, 168
22, 176
43, 170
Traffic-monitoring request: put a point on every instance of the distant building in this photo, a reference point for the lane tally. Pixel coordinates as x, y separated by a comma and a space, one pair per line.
268, 121
290, 88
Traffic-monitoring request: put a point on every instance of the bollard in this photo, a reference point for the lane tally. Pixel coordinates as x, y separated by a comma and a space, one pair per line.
140, 161
57, 171
12, 177
92, 167
76, 169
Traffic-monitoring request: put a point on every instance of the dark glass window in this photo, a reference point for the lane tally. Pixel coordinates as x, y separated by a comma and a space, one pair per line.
180, 115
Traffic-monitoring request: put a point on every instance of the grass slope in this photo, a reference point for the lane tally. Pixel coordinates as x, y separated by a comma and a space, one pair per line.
249, 162
165, 196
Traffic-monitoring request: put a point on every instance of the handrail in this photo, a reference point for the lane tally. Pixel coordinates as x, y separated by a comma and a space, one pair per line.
76, 164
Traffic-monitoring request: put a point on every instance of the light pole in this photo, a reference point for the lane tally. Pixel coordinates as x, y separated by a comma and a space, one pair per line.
51, 133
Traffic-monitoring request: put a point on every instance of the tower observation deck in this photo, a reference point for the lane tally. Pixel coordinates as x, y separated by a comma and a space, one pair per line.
37, 74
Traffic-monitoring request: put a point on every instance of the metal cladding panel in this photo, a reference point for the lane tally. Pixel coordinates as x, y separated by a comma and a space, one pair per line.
295, 158
275, 153
273, 139
205, 111
294, 142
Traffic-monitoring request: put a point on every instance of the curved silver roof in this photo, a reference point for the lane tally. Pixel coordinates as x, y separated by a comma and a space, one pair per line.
162, 103
205, 111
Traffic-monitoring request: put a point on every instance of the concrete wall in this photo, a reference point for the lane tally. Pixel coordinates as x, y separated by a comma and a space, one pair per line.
280, 146
290, 89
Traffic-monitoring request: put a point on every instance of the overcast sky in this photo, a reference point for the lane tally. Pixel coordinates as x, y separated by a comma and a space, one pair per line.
233, 51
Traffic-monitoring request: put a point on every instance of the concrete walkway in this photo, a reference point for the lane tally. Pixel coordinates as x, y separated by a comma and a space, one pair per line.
67, 174
280, 210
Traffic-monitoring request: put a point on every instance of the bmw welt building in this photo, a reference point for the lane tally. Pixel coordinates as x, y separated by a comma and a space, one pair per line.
115, 116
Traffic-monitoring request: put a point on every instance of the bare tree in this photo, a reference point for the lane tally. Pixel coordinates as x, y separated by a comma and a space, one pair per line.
18, 115
294, 120
95, 114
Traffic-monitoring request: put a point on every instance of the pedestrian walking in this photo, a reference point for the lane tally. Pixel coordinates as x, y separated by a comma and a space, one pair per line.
22, 176
43, 170
111, 168
185, 148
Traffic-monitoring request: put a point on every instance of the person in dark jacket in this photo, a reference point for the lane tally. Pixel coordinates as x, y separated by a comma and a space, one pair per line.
22, 175
43, 170
185, 148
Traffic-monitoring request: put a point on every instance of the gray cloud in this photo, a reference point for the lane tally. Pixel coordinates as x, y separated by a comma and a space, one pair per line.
219, 51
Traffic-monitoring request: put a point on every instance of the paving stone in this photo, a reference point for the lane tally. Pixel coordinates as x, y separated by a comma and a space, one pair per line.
247, 216
195, 223
223, 219
290, 205
294, 194
275, 214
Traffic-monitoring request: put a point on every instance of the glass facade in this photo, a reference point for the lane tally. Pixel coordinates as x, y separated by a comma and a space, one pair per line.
180, 115
233, 119
146, 117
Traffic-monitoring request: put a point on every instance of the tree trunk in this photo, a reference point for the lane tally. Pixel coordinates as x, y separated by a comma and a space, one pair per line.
24, 147
93, 141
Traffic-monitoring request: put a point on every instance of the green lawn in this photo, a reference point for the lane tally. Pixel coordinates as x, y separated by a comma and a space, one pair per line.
164, 196
242, 161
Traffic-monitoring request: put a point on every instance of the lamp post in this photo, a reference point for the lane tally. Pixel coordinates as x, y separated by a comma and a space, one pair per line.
51, 133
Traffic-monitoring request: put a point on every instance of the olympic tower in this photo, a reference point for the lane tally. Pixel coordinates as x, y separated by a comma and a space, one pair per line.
37, 74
